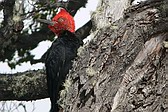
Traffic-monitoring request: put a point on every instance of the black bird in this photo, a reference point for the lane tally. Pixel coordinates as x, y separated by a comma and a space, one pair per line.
59, 58
58, 63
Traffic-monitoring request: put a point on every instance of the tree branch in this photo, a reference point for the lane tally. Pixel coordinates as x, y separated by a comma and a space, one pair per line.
8, 11
25, 42
26, 86
31, 41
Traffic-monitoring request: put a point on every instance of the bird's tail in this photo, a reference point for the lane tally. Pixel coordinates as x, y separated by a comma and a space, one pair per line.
54, 108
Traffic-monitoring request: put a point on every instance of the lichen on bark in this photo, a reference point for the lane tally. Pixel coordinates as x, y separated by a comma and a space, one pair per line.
128, 60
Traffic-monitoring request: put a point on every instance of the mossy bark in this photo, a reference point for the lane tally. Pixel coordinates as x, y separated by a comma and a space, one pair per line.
26, 86
125, 66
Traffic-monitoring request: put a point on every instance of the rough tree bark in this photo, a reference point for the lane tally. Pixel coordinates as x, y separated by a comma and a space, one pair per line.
26, 86
123, 69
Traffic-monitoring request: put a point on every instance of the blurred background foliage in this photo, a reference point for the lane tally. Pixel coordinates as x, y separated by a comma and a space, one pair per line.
18, 47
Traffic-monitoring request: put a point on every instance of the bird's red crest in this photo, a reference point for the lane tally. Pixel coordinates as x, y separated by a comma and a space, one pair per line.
63, 21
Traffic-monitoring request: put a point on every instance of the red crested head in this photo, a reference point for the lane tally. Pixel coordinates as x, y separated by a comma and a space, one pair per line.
62, 21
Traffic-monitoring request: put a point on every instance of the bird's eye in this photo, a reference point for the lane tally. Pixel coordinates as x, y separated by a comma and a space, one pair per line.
61, 20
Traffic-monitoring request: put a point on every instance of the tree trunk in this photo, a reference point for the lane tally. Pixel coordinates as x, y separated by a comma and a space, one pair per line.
109, 11
125, 66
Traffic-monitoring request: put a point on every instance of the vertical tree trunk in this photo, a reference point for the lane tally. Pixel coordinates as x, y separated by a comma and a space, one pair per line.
125, 66
109, 11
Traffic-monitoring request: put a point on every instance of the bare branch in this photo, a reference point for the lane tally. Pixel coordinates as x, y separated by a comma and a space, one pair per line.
26, 86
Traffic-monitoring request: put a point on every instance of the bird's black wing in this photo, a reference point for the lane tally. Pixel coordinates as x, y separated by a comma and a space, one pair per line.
54, 63
58, 62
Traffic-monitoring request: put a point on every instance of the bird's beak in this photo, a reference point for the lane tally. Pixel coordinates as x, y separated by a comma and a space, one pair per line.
46, 21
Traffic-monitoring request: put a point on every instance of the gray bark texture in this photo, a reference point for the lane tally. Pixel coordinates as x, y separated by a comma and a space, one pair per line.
125, 66
26, 86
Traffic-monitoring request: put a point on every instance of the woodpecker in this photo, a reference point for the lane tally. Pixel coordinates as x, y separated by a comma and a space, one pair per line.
60, 55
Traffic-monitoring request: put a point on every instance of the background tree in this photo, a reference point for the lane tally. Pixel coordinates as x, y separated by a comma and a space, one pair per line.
123, 68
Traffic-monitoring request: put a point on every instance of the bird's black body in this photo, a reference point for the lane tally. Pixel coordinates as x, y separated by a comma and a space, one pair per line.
58, 62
